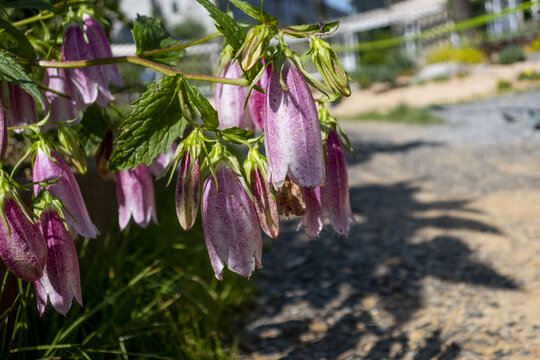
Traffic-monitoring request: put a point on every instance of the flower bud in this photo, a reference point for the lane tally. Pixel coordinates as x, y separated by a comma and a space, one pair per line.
135, 194
230, 226
22, 246
69, 141
256, 98
187, 191
312, 219
254, 47
20, 109
230, 101
334, 195
329, 66
64, 186
61, 280
292, 131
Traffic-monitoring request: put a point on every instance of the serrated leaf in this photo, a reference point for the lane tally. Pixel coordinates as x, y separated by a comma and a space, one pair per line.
208, 114
237, 135
14, 41
253, 12
155, 122
14, 73
313, 29
150, 34
30, 4
226, 25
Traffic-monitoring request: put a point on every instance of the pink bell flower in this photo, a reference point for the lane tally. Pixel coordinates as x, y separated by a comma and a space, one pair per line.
312, 220
3, 134
256, 99
66, 189
61, 280
292, 131
135, 194
22, 246
187, 191
230, 101
334, 194
265, 204
62, 109
230, 226
20, 110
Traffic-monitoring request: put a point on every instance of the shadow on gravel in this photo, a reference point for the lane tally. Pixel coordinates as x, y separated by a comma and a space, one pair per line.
364, 151
347, 298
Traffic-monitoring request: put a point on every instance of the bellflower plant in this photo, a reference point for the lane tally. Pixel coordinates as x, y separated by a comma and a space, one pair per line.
3, 133
19, 107
61, 108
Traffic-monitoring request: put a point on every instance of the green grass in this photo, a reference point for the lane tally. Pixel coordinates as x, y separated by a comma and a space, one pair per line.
401, 114
148, 293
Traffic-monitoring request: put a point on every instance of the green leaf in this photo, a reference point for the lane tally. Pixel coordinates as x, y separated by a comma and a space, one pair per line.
14, 41
252, 11
14, 73
237, 135
93, 128
313, 29
30, 4
150, 34
226, 25
208, 114
155, 122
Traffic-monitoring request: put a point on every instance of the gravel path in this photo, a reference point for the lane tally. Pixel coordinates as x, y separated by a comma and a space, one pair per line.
443, 261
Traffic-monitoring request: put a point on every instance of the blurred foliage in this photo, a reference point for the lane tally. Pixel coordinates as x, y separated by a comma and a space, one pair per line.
393, 65
504, 85
529, 74
465, 55
148, 293
401, 114
511, 54
189, 29
534, 45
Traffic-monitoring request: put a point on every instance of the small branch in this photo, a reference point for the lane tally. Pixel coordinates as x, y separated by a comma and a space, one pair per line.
33, 19
182, 46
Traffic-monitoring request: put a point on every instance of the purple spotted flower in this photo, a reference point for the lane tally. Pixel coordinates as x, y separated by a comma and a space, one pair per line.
66, 189
292, 131
61, 280
312, 220
256, 99
62, 108
19, 107
90, 42
187, 191
230, 226
230, 101
265, 204
22, 246
335, 193
135, 194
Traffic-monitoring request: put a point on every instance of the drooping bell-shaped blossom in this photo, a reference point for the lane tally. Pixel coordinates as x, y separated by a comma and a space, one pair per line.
90, 82
230, 101
335, 193
3, 133
265, 204
135, 194
187, 191
66, 189
230, 225
61, 280
20, 109
312, 220
22, 246
256, 99
160, 163
61, 108
99, 42
292, 131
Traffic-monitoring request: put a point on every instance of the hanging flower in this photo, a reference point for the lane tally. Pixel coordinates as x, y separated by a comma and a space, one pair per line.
19, 107
230, 226
230, 101
135, 194
61, 108
292, 131
256, 98
65, 188
312, 219
61, 280
187, 191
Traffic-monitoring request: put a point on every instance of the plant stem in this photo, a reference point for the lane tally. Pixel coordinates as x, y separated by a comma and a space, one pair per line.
182, 46
132, 59
33, 19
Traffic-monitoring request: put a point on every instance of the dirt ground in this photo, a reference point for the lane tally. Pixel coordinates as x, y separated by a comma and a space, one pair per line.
443, 261
481, 82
